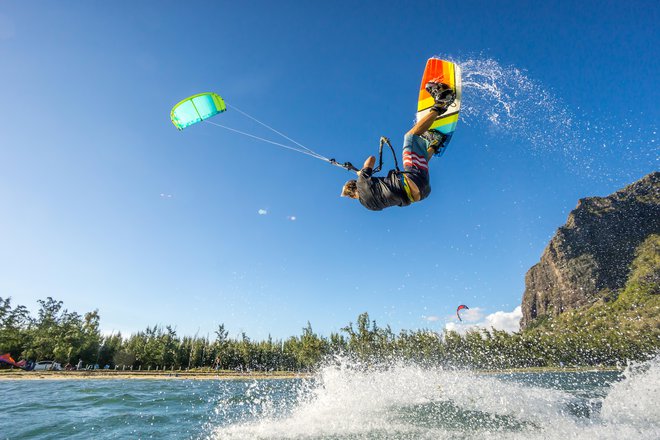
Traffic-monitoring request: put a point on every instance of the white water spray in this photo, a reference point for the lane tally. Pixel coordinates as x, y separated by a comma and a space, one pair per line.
509, 104
350, 401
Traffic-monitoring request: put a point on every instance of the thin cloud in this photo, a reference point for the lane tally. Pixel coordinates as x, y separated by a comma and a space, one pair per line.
431, 318
291, 217
507, 321
262, 212
458, 327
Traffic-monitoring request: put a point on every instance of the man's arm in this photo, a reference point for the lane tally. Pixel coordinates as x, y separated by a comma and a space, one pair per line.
364, 175
370, 162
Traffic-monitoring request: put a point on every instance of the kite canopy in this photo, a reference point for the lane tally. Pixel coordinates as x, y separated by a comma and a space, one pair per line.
461, 307
195, 109
7, 359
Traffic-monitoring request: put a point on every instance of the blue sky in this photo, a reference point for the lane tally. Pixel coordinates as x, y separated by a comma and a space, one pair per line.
106, 205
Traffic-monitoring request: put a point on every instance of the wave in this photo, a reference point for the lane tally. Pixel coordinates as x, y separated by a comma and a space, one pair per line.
348, 400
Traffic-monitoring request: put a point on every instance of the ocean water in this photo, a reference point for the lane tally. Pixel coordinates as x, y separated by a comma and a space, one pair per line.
344, 401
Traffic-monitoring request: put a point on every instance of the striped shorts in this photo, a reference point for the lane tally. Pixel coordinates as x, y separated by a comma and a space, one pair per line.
415, 163
414, 153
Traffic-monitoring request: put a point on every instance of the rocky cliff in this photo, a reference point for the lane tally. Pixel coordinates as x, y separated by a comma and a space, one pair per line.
589, 257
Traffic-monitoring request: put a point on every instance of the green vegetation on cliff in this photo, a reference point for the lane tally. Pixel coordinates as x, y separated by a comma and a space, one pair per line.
617, 327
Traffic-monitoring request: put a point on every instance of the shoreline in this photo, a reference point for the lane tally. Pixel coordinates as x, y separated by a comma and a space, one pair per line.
9, 375
146, 375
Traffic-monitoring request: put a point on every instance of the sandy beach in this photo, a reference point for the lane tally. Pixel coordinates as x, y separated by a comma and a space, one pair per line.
153, 375
233, 375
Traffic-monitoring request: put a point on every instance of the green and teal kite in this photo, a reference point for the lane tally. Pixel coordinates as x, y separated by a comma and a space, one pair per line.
200, 107
196, 108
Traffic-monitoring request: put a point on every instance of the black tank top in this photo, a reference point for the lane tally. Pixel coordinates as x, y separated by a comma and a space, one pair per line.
377, 193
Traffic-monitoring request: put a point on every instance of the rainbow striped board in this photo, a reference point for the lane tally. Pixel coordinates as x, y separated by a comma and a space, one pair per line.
448, 73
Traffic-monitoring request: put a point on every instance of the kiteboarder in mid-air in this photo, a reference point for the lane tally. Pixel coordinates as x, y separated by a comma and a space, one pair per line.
401, 188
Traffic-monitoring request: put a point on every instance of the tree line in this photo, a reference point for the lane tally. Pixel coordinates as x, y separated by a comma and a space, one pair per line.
618, 327
605, 334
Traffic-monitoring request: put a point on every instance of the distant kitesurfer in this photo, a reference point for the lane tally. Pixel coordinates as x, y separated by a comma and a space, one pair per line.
401, 188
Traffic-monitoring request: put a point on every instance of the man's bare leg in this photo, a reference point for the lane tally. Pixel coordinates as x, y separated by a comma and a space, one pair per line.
423, 125
443, 96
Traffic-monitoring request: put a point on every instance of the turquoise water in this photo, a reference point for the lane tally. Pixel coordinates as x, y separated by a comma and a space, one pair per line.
342, 402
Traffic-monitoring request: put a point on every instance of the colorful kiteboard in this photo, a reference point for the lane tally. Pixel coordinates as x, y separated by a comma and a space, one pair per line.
448, 73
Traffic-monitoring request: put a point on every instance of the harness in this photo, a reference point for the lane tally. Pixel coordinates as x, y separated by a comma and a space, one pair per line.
401, 175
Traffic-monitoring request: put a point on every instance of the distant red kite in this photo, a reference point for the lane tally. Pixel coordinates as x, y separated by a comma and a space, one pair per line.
461, 307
